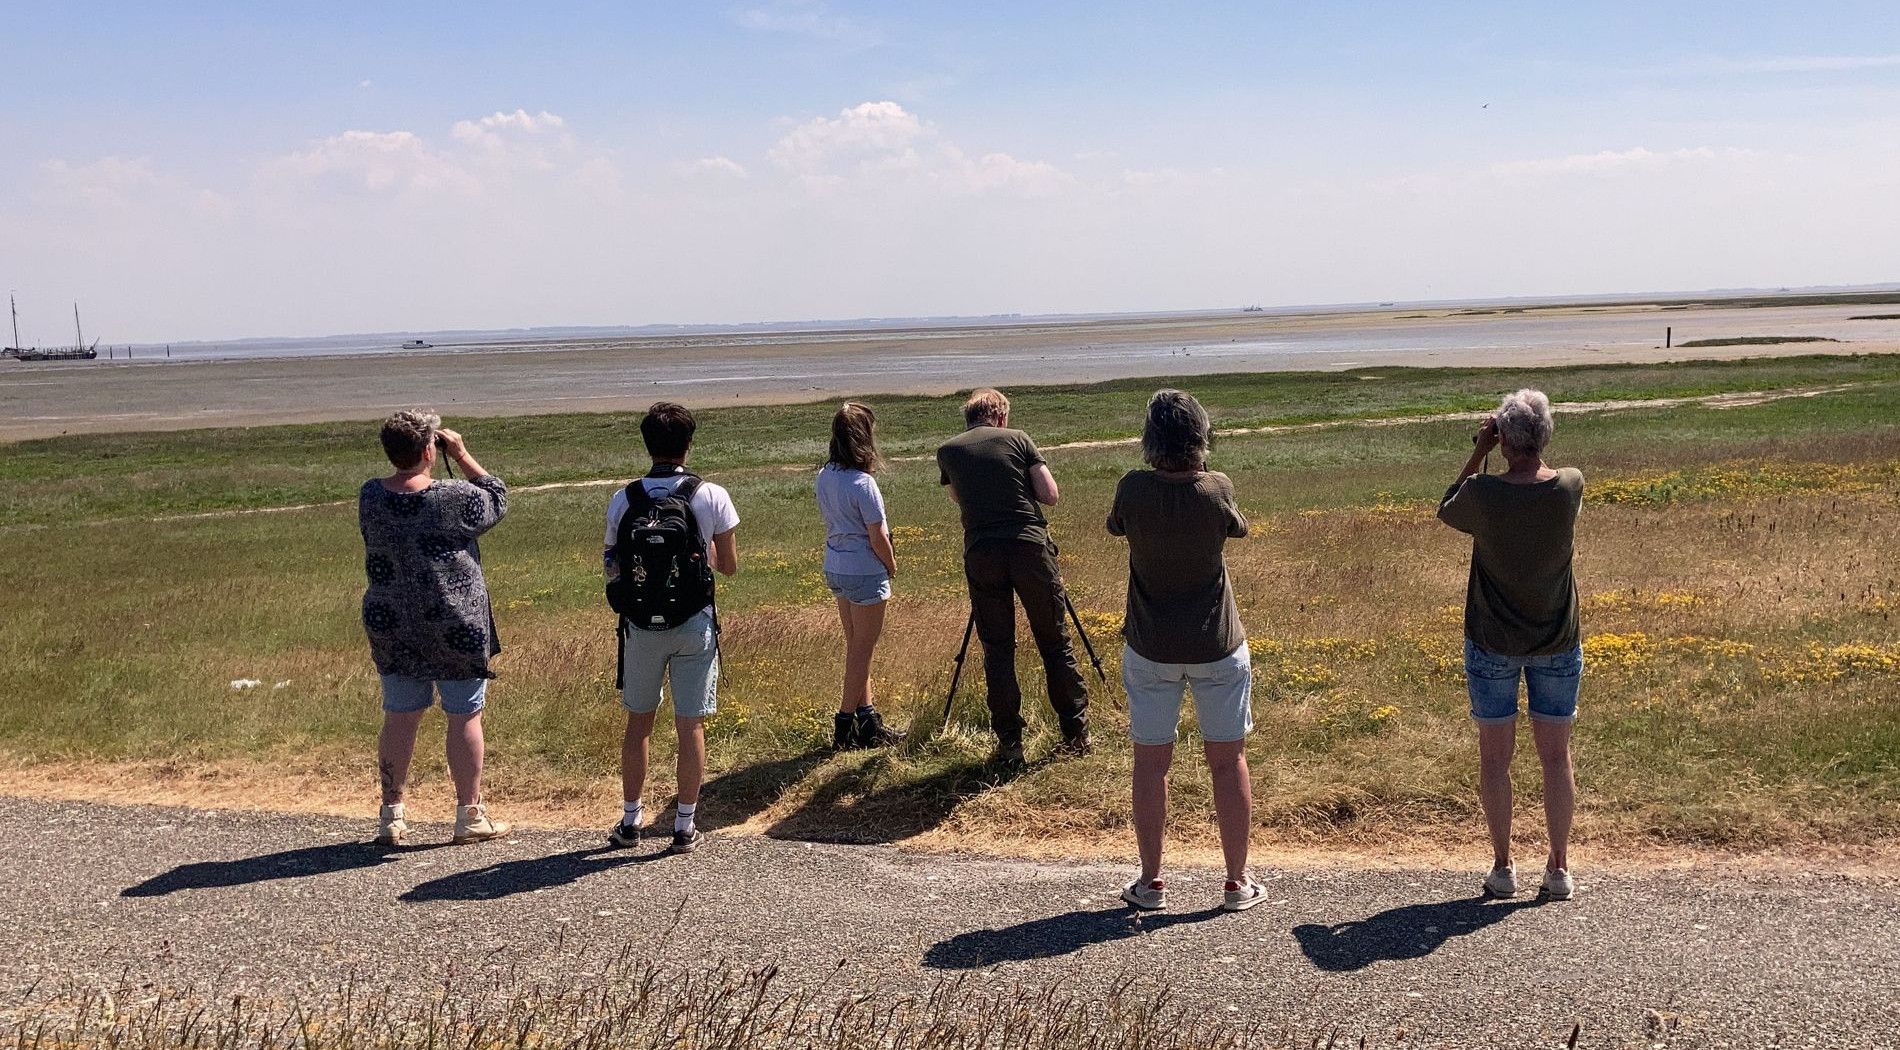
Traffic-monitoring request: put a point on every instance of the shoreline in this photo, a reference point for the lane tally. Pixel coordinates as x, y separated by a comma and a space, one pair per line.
609, 375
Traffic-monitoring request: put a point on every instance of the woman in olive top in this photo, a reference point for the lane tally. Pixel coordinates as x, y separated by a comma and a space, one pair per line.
1521, 622
1182, 631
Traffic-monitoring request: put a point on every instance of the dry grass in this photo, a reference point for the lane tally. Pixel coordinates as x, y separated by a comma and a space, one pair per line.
631, 1002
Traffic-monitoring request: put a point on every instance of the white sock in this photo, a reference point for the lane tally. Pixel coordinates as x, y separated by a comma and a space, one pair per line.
684, 820
633, 813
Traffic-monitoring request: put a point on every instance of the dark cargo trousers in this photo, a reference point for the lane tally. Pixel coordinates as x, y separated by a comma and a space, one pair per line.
999, 571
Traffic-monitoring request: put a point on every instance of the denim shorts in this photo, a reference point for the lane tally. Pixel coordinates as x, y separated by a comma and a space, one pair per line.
686, 656
1551, 682
867, 589
465, 696
1223, 697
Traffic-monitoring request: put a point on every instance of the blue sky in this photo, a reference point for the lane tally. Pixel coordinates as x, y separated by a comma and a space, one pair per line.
214, 170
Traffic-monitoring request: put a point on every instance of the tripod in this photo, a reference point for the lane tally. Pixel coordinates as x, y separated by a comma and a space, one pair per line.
963, 650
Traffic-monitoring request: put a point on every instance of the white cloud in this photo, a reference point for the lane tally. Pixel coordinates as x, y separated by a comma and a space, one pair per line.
882, 142
376, 161
1609, 162
492, 131
721, 166
109, 182
366, 83
809, 18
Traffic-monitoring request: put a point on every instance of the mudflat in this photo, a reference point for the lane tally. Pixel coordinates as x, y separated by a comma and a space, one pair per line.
522, 378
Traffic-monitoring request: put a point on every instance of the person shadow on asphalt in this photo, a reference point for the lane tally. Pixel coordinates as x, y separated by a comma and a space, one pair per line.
1055, 935
286, 864
1409, 932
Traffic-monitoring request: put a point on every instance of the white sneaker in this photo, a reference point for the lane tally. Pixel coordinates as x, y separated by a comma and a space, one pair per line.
392, 826
1558, 885
1151, 897
1501, 883
472, 824
1243, 895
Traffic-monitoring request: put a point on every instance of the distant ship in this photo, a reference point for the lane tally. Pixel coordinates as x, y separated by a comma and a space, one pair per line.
79, 351
416, 344
1253, 309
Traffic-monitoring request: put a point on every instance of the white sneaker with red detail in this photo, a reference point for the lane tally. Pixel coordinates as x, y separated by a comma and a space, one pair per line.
1152, 896
1242, 895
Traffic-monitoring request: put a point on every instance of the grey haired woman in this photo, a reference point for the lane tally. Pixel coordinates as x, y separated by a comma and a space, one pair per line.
426, 611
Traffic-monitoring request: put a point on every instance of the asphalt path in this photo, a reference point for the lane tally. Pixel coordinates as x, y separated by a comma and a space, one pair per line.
266, 903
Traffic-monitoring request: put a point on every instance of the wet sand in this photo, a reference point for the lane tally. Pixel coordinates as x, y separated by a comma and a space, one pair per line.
496, 379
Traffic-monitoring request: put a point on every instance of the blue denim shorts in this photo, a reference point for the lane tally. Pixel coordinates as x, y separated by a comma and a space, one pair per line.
1551, 682
685, 657
1223, 697
867, 589
464, 696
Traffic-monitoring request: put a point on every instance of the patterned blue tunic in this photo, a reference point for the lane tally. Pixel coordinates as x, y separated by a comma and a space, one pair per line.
426, 610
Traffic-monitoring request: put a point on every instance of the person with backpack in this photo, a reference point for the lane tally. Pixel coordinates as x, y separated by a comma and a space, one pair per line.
859, 565
667, 533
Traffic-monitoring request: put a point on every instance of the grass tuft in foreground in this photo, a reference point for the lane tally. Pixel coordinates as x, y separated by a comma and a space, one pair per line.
632, 1002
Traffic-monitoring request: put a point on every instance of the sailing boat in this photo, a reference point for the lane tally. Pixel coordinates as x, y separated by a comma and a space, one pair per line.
79, 351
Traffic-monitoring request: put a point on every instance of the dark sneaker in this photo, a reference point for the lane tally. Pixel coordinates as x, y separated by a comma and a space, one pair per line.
844, 732
624, 834
1075, 745
1009, 755
872, 732
686, 841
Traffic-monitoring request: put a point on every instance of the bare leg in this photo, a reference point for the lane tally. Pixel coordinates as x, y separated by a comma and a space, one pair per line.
867, 624
691, 765
1233, 802
1151, 804
633, 755
847, 702
1560, 787
1496, 743
395, 747
465, 757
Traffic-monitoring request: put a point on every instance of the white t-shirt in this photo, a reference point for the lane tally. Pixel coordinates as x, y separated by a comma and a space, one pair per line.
712, 509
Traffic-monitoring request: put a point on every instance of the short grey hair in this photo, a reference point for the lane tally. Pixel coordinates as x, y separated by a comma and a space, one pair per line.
406, 436
1524, 421
1177, 434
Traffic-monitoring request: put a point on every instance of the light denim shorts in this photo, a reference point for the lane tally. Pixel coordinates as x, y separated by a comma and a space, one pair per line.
1223, 696
464, 696
686, 656
866, 589
1551, 682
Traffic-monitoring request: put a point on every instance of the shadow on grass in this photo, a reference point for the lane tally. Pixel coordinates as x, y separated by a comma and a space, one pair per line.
495, 881
1049, 937
1409, 932
738, 795
288, 864
850, 807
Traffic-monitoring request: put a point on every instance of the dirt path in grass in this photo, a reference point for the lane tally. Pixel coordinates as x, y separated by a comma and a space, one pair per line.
1739, 399
270, 905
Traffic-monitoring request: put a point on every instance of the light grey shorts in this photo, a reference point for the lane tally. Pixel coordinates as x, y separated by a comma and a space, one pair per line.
460, 696
686, 656
1223, 696
860, 589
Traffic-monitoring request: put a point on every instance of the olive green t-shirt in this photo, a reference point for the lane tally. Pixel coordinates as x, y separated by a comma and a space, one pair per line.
989, 469
1180, 605
1522, 597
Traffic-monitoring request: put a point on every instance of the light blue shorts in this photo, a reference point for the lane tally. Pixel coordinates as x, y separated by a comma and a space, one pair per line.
1223, 697
865, 589
1551, 682
465, 696
686, 656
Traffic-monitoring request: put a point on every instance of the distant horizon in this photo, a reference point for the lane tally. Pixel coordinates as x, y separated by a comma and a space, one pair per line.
819, 324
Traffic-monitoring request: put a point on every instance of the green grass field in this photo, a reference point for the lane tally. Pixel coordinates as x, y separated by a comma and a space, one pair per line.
1744, 664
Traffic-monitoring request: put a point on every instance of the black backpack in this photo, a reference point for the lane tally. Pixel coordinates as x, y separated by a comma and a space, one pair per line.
664, 576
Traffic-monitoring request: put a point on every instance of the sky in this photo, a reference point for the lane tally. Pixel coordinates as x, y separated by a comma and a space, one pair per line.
207, 170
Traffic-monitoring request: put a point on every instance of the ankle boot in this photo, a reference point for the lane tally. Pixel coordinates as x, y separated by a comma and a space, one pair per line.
844, 732
872, 732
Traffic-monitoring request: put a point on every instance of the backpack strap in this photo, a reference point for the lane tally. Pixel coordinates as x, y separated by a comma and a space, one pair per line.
688, 488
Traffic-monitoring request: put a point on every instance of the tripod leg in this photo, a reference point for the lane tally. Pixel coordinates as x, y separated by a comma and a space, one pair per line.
956, 675
1087, 645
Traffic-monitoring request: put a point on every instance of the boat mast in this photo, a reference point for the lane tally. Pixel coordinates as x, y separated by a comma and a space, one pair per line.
14, 309
79, 341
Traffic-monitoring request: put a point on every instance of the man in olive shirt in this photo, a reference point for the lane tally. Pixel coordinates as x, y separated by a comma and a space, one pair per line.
1001, 482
